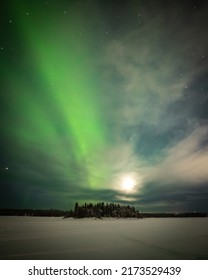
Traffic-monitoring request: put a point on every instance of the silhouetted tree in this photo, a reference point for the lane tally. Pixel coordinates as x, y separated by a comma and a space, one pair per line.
100, 210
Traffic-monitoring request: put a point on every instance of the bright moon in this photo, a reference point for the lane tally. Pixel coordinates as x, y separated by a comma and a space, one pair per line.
128, 184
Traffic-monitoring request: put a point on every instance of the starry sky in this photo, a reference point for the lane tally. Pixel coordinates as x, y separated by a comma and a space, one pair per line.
104, 101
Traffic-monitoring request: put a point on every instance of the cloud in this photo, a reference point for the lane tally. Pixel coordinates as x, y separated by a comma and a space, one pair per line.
185, 163
151, 69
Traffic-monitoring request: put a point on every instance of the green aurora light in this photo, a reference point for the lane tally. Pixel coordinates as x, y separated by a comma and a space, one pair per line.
69, 89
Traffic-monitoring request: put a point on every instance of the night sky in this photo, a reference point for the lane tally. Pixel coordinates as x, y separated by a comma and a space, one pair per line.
104, 101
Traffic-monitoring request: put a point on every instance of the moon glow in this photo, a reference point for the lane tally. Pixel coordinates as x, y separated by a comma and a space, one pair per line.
128, 184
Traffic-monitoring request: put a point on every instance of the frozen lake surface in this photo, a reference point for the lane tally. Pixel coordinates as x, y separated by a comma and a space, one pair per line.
57, 238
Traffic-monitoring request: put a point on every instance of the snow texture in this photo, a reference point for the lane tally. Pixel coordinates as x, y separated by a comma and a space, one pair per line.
57, 238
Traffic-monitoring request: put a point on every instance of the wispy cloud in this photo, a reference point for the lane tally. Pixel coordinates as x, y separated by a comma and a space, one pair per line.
149, 70
184, 163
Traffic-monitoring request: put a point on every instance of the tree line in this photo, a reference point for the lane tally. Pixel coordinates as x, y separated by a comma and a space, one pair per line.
87, 210
101, 210
98, 210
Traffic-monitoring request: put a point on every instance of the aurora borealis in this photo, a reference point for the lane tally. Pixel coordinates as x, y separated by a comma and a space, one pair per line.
104, 101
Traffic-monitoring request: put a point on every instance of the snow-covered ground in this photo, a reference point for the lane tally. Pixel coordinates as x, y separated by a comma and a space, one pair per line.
57, 238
